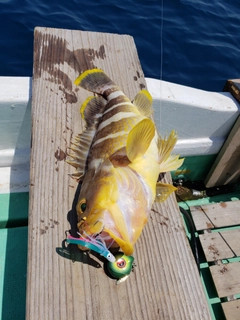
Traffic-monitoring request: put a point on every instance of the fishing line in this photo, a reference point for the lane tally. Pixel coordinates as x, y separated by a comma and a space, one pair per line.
161, 61
161, 41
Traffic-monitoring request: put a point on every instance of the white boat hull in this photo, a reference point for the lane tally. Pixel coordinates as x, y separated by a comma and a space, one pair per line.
202, 119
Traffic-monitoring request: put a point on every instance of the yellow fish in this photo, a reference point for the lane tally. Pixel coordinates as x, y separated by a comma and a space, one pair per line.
118, 158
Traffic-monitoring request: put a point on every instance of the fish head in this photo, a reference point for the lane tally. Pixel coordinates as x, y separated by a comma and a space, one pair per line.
112, 206
99, 192
95, 197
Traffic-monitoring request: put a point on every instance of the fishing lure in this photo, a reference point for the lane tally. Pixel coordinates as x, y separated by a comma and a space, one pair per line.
121, 268
118, 265
95, 244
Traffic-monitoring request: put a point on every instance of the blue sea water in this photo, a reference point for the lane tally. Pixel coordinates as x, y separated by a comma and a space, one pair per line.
190, 42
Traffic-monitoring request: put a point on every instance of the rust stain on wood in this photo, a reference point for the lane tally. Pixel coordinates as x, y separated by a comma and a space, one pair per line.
223, 270
60, 155
213, 249
209, 225
223, 204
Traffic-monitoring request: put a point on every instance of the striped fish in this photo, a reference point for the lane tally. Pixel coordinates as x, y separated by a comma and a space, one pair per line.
118, 158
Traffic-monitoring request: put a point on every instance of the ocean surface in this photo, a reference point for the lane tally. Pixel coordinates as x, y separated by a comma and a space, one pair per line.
190, 42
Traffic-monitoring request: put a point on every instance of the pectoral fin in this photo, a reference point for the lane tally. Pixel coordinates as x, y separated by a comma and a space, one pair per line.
163, 191
139, 139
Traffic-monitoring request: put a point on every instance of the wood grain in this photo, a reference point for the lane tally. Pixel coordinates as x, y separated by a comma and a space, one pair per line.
226, 278
226, 168
221, 245
63, 282
216, 215
232, 309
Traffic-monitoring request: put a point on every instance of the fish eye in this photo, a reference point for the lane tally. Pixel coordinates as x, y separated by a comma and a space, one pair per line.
121, 263
82, 205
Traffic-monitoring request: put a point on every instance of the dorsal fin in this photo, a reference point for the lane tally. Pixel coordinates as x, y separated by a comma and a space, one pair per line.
143, 101
139, 139
80, 148
94, 80
92, 110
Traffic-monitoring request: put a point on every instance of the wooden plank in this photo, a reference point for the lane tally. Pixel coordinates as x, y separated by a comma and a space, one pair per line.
216, 215
221, 245
233, 86
232, 237
165, 284
226, 168
226, 278
232, 309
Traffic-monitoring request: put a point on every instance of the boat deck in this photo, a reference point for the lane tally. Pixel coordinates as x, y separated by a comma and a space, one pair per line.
218, 226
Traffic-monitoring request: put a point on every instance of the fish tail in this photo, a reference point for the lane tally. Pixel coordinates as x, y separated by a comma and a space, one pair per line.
95, 80
167, 161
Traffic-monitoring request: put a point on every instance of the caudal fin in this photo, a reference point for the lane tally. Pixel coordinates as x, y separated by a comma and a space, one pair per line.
94, 80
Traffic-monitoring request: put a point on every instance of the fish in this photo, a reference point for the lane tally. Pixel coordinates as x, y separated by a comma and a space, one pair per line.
118, 159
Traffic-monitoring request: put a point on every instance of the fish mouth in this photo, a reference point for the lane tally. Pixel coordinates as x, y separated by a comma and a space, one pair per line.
111, 238
96, 232
90, 230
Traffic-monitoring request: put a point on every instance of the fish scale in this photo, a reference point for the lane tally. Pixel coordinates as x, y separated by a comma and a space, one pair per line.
109, 145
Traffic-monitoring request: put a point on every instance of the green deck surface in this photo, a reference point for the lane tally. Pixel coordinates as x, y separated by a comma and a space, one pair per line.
13, 273
13, 255
13, 209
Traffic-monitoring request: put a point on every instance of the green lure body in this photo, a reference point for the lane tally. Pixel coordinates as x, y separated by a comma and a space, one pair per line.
122, 266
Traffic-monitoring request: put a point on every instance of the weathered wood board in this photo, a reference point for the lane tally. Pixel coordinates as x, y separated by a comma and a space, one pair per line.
226, 278
233, 86
226, 168
221, 245
232, 309
165, 283
216, 215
